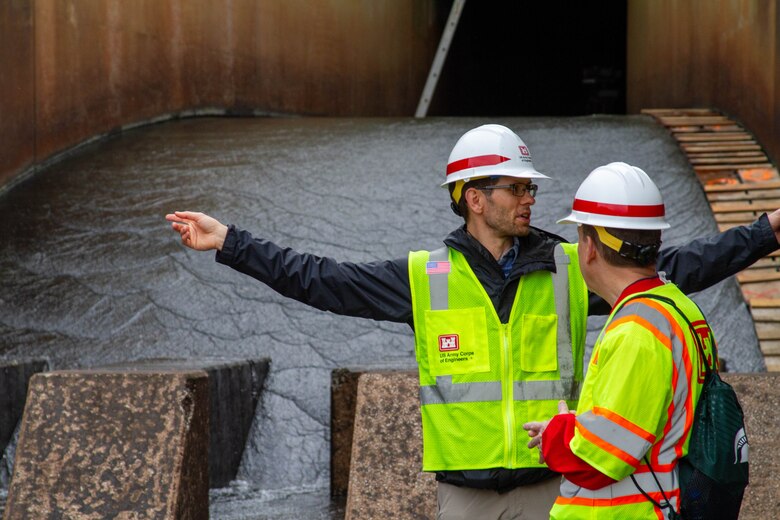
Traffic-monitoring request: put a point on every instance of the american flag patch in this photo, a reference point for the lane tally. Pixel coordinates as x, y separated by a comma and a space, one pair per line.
437, 267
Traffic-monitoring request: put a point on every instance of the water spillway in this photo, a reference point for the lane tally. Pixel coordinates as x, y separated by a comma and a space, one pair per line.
92, 274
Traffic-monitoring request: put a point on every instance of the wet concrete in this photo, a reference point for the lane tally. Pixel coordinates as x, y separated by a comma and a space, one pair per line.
92, 275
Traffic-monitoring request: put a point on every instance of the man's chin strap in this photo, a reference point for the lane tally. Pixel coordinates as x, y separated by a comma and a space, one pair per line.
642, 253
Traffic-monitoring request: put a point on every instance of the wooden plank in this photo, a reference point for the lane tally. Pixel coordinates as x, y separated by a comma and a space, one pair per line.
713, 136
767, 330
754, 291
726, 160
695, 120
715, 167
770, 347
765, 314
772, 363
761, 275
768, 185
737, 219
697, 129
721, 146
765, 303
679, 111
726, 207
725, 153
758, 174
745, 196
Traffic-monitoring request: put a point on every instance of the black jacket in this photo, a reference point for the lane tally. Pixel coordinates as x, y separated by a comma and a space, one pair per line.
380, 290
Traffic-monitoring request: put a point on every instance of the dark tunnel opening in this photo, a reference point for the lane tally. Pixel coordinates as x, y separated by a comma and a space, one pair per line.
534, 58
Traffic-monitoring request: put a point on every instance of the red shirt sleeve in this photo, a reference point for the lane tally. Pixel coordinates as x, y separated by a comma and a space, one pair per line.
560, 458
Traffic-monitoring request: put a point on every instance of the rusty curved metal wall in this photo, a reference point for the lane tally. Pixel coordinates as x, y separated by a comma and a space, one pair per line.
73, 69
708, 53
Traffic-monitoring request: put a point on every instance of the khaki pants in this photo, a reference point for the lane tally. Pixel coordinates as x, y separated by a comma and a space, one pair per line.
523, 503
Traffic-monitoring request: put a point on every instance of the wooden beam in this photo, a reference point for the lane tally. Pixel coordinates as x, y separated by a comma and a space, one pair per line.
715, 167
718, 188
713, 136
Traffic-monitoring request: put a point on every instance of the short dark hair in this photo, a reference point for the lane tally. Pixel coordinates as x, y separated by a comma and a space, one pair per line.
637, 237
461, 208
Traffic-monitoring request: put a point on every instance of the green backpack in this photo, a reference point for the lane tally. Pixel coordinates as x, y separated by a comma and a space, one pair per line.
714, 473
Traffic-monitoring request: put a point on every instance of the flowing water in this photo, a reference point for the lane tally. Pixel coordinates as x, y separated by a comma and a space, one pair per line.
91, 273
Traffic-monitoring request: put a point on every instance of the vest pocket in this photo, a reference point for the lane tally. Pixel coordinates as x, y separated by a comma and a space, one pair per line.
538, 343
457, 341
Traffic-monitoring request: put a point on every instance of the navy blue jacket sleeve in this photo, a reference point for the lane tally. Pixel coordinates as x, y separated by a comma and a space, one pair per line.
377, 290
380, 290
703, 262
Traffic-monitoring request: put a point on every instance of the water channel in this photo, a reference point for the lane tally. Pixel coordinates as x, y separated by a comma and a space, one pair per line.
91, 273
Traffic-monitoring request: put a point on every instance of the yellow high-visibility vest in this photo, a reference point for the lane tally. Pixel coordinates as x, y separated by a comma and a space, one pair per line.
638, 399
481, 379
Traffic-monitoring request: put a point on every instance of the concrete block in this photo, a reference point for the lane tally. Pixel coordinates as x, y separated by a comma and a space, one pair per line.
98, 444
759, 395
385, 478
343, 396
14, 378
234, 390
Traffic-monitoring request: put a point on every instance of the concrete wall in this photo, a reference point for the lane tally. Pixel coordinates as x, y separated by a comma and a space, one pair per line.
74, 69
707, 53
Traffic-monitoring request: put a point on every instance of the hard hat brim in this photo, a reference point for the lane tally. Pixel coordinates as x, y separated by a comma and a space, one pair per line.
642, 223
499, 172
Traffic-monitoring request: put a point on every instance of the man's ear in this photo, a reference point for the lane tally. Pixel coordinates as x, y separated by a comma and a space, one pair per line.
590, 252
475, 200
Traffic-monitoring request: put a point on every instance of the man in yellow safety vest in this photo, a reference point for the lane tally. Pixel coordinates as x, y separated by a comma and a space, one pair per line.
618, 454
499, 314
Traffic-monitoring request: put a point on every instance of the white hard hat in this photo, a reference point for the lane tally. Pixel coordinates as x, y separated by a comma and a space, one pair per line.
618, 195
487, 151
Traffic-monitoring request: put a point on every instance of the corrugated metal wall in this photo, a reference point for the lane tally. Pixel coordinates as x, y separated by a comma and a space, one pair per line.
707, 53
73, 69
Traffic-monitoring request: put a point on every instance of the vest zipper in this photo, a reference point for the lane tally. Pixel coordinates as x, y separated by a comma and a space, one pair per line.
508, 397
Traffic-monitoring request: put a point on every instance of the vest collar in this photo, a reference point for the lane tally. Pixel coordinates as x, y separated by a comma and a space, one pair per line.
639, 286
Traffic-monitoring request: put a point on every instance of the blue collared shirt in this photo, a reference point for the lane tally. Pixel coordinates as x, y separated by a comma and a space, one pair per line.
507, 260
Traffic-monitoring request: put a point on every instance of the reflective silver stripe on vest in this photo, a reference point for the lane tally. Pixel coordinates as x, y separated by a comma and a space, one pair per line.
617, 435
555, 389
445, 391
437, 282
626, 488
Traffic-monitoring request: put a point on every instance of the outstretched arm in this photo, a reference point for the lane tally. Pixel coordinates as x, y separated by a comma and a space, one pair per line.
706, 261
377, 290
198, 231
703, 262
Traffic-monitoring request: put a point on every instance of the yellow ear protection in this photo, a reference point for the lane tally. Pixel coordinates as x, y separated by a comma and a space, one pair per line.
639, 252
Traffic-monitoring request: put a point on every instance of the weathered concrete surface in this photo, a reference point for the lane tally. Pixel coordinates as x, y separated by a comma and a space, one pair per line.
104, 444
234, 390
385, 480
759, 395
14, 378
343, 399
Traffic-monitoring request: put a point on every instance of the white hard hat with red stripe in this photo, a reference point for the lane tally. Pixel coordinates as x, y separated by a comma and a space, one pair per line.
618, 195
490, 151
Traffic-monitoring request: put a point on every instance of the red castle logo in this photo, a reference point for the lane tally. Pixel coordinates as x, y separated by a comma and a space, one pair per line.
448, 343
524, 151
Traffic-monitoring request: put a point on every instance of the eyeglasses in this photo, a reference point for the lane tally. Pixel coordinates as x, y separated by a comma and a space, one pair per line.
518, 189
